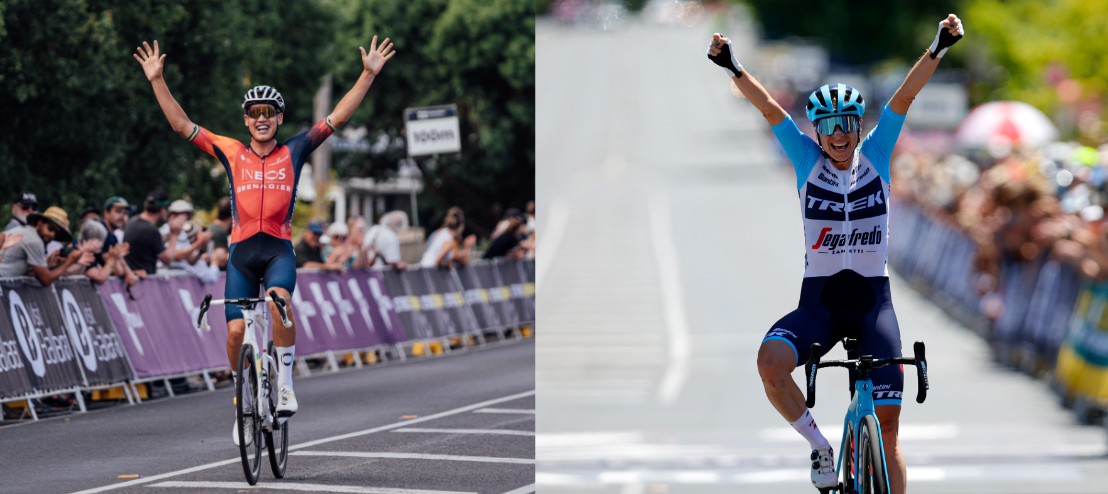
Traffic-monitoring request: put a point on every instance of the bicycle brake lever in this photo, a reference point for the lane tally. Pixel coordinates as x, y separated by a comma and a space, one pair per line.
810, 370
203, 321
279, 301
921, 372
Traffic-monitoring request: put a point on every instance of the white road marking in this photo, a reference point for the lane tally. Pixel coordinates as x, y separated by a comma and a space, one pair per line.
468, 431
317, 442
505, 410
673, 300
417, 456
552, 232
293, 486
522, 490
970, 473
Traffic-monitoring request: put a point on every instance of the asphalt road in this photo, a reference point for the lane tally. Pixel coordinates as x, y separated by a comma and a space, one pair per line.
473, 431
671, 242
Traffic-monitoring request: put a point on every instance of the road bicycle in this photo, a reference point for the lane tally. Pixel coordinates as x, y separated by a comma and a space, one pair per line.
864, 471
255, 388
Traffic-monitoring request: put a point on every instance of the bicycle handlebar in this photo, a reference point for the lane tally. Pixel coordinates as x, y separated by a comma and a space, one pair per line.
866, 363
277, 300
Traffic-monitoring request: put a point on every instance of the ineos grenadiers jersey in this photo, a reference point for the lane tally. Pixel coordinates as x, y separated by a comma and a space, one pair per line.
263, 188
846, 212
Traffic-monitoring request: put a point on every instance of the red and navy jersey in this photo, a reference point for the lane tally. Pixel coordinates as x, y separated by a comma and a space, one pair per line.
263, 188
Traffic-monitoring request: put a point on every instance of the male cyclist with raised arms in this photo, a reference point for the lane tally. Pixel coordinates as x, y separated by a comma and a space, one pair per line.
263, 177
843, 184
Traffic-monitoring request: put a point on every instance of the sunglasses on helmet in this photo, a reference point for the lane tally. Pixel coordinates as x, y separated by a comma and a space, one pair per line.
257, 111
826, 126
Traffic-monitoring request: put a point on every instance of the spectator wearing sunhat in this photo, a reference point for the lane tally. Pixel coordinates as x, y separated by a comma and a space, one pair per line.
23, 205
147, 246
28, 257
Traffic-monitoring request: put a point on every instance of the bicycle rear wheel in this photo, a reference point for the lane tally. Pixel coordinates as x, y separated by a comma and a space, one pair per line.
249, 421
871, 463
277, 440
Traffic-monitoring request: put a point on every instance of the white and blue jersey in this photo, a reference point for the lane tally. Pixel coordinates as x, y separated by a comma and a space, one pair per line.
845, 293
846, 212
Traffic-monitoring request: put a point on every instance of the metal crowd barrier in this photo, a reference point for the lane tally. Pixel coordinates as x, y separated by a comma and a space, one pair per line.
1053, 321
75, 336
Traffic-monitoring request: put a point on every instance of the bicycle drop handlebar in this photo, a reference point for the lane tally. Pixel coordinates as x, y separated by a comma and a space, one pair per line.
863, 365
277, 300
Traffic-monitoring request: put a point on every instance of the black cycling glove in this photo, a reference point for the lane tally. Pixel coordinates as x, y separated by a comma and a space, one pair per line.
944, 39
726, 59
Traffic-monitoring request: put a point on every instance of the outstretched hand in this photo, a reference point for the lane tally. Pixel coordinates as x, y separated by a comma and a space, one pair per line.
721, 53
152, 60
377, 56
950, 31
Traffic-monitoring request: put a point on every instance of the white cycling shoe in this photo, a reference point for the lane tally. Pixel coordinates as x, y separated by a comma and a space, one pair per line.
249, 420
823, 468
249, 431
286, 401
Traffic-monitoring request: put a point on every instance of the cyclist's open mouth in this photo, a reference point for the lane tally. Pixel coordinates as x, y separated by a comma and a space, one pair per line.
262, 128
839, 147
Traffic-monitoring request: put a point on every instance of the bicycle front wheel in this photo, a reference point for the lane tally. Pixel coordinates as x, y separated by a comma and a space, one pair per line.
249, 420
277, 440
871, 463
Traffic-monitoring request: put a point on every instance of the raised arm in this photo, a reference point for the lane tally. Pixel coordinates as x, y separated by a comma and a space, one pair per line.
950, 31
372, 64
152, 62
721, 53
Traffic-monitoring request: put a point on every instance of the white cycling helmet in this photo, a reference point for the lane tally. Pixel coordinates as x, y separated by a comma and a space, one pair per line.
266, 95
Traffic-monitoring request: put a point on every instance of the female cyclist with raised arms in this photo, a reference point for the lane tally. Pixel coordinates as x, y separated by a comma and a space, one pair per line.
843, 184
263, 177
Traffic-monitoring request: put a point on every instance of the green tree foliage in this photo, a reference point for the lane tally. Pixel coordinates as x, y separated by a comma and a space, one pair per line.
857, 31
80, 120
478, 54
1026, 37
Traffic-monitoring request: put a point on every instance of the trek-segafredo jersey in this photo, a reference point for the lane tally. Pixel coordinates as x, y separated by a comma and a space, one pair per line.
846, 212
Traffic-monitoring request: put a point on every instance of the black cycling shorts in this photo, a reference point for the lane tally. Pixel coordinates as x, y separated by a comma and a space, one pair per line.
262, 258
847, 305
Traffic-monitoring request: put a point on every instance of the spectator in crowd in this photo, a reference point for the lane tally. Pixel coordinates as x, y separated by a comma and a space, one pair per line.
359, 254
336, 248
507, 244
309, 252
190, 240
221, 231
511, 219
90, 212
443, 244
28, 256
23, 205
93, 233
530, 218
116, 210
382, 243
147, 245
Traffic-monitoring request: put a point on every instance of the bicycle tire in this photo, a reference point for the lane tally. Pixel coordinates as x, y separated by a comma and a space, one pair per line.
277, 440
247, 375
871, 461
848, 466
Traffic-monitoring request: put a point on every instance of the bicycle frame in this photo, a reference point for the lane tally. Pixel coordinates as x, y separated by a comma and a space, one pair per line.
860, 406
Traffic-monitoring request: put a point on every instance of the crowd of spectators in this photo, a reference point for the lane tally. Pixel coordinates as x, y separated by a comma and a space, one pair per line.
115, 241
1045, 203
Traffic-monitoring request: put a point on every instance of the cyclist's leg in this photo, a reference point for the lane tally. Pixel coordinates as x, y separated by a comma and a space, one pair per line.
784, 348
881, 338
280, 276
241, 282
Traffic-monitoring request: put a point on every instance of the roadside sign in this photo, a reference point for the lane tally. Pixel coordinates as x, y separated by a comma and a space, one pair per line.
432, 130
938, 106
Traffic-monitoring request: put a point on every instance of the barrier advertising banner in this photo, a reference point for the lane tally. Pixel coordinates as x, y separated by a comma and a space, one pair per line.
15, 354
159, 334
1082, 365
374, 304
97, 345
36, 320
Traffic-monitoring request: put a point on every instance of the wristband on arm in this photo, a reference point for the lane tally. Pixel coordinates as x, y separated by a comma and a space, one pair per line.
726, 59
944, 40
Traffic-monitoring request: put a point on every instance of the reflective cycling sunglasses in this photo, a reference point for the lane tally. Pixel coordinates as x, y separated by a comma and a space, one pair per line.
826, 126
257, 111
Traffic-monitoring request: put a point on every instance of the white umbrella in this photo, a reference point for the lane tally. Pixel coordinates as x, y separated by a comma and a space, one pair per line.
1017, 122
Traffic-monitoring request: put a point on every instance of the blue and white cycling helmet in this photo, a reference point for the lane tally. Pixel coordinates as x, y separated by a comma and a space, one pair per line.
835, 100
